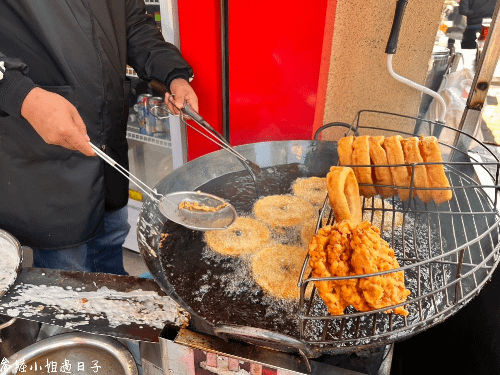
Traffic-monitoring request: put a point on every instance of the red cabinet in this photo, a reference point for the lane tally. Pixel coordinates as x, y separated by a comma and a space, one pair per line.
274, 54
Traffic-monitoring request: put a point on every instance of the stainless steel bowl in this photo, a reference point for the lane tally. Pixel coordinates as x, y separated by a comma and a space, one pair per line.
73, 353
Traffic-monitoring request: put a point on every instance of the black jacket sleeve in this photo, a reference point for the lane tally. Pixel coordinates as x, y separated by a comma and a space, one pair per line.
14, 86
147, 51
464, 8
476, 10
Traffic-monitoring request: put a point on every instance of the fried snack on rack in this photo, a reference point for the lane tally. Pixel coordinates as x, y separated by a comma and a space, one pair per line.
431, 152
420, 180
344, 150
244, 236
339, 254
312, 189
381, 210
361, 156
283, 210
343, 194
383, 175
318, 262
372, 254
277, 270
395, 155
345, 249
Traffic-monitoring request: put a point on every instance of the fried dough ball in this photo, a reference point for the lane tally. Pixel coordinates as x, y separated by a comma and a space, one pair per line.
312, 189
283, 210
277, 270
244, 236
345, 249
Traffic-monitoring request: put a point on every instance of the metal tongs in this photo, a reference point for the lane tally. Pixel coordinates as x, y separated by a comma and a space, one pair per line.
203, 211
208, 132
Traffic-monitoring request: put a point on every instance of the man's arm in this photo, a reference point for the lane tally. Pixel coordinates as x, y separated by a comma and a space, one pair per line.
154, 58
14, 86
54, 118
464, 8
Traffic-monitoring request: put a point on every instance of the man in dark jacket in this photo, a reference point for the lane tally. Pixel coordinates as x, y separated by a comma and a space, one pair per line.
474, 11
63, 84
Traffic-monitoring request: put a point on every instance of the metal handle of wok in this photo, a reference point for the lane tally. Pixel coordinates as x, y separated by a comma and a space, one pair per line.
266, 338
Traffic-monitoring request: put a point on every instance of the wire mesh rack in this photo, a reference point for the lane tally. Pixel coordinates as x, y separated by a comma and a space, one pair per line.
447, 252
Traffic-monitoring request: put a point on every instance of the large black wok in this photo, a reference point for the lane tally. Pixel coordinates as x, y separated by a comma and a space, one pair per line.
219, 291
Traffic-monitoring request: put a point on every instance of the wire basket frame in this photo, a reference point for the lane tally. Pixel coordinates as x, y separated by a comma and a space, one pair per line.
447, 252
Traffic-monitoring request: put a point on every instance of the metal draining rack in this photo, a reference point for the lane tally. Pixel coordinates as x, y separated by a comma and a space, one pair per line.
447, 252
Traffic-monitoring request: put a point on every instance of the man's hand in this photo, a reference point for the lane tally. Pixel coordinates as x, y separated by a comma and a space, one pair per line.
56, 120
181, 92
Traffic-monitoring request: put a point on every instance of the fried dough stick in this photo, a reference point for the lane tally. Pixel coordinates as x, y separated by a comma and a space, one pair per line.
383, 175
430, 151
361, 156
412, 155
395, 155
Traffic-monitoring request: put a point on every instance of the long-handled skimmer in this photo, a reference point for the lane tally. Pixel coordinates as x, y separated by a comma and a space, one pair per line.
202, 211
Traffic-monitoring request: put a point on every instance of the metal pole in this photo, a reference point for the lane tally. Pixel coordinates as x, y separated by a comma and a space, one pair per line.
481, 82
170, 21
487, 64
170, 29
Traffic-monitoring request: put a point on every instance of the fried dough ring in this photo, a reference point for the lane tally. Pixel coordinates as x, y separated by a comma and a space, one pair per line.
430, 151
412, 155
344, 150
395, 155
277, 270
343, 194
309, 230
283, 210
245, 236
312, 189
383, 175
361, 156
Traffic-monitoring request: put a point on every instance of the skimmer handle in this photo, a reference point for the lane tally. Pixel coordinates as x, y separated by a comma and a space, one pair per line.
141, 185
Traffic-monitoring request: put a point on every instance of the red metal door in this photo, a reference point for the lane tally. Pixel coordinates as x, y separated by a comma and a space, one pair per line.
274, 56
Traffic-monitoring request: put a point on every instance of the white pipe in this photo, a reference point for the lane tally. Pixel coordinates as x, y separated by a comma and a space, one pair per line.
425, 90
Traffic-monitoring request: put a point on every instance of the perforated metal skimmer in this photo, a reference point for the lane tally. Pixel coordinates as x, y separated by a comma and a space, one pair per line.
203, 211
